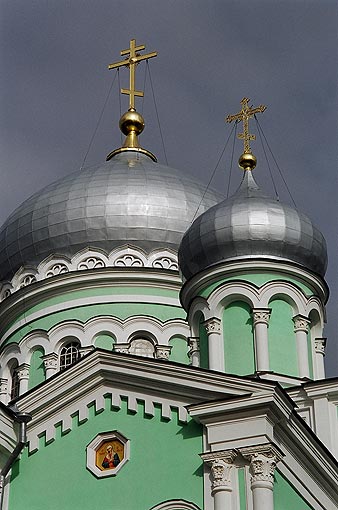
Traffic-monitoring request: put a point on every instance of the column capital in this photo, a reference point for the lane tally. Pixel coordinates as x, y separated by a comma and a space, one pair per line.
220, 464
23, 371
263, 461
212, 325
50, 361
320, 345
193, 344
163, 351
261, 315
301, 323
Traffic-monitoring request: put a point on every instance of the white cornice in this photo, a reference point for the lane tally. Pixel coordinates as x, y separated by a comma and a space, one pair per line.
139, 379
238, 269
270, 418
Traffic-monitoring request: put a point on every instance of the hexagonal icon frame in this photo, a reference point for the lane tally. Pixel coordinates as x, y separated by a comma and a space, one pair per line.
107, 453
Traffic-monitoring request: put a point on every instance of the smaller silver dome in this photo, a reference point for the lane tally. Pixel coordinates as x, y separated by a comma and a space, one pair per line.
251, 225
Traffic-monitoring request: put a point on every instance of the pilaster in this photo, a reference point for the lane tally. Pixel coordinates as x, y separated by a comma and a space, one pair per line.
4, 390
215, 346
320, 345
50, 362
23, 376
263, 461
221, 465
301, 329
261, 317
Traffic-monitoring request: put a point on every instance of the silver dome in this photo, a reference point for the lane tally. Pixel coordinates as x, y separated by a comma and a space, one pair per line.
251, 225
128, 200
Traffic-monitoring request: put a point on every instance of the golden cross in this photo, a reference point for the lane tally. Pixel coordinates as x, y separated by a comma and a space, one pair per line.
131, 62
244, 115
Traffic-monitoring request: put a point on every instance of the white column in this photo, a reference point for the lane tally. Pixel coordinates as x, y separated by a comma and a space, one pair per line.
50, 362
320, 344
301, 328
261, 318
221, 464
263, 460
4, 391
215, 348
23, 376
194, 350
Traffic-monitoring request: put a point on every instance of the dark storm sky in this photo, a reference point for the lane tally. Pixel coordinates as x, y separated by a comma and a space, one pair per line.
54, 81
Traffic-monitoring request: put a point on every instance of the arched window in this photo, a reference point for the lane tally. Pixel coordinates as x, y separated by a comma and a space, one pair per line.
15, 382
142, 347
69, 353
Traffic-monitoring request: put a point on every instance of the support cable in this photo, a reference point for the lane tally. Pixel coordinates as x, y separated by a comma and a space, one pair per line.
266, 159
275, 161
213, 173
232, 157
158, 119
97, 124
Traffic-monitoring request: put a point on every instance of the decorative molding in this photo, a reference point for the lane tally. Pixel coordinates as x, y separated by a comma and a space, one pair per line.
216, 274
212, 325
261, 315
301, 323
320, 345
65, 414
89, 259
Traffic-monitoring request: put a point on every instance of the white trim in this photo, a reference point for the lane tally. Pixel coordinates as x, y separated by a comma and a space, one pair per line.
125, 298
88, 259
238, 269
175, 504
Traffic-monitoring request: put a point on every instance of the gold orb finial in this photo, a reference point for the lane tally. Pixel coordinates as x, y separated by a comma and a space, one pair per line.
247, 161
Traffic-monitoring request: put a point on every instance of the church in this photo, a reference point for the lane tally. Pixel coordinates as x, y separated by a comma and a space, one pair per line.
161, 347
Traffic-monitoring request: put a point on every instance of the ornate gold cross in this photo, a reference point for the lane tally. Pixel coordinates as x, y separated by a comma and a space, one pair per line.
244, 115
131, 62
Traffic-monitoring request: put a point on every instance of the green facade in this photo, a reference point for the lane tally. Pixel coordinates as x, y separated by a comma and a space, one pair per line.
55, 477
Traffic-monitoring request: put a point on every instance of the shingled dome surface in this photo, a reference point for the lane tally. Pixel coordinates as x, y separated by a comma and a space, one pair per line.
128, 200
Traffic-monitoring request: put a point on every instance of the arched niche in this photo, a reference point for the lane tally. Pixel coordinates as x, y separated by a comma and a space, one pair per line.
179, 349
238, 337
282, 341
36, 367
104, 340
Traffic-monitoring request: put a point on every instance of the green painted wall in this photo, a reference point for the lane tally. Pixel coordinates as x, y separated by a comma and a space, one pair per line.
179, 351
104, 342
282, 342
238, 339
257, 279
164, 464
204, 352
84, 313
309, 347
285, 497
242, 489
36, 369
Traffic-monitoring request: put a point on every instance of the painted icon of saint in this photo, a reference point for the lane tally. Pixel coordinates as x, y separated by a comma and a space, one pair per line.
111, 459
